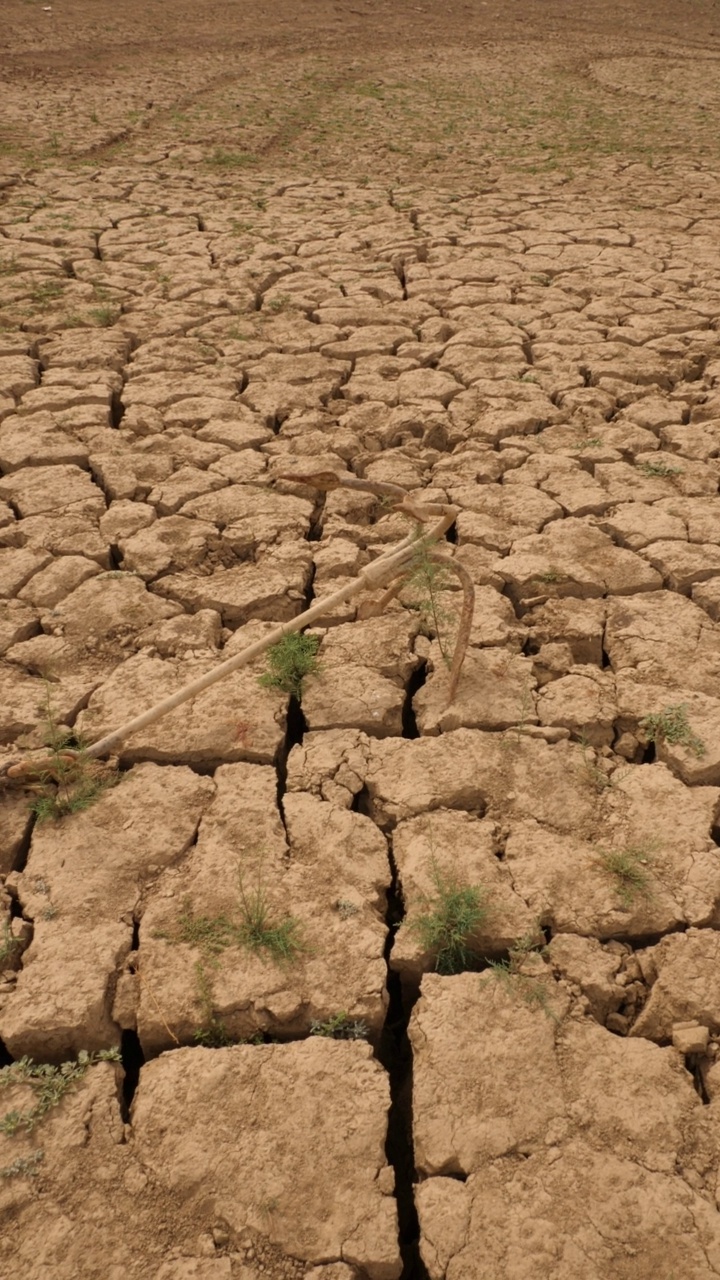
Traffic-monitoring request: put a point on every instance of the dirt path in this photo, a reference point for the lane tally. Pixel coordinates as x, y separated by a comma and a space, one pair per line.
370, 985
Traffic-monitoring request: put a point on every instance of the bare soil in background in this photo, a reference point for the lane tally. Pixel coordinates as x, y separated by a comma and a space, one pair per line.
386, 91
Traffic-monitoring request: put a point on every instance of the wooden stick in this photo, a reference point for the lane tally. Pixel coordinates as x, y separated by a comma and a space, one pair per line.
379, 573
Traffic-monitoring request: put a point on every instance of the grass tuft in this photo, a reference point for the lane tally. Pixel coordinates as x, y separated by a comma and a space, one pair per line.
429, 579
259, 932
454, 913
9, 946
658, 468
629, 868
290, 661
340, 1026
256, 929
69, 780
672, 725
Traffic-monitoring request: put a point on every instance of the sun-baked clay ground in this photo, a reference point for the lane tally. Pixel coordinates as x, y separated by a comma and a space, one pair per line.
471, 250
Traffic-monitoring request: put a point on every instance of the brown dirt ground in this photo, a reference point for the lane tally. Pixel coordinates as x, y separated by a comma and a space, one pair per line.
470, 249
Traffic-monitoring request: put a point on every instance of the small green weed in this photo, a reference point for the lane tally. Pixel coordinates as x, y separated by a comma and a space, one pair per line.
255, 930
46, 291
49, 1084
430, 579
210, 934
629, 869
73, 321
550, 575
658, 468
672, 725
9, 946
70, 781
346, 909
454, 913
212, 1032
290, 661
281, 939
531, 989
222, 159
280, 303
104, 317
23, 1166
597, 778
340, 1026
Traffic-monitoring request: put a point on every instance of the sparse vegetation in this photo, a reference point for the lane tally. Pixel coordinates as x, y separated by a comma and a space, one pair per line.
347, 909
280, 303
550, 575
222, 159
9, 945
593, 443
260, 932
630, 870
290, 661
45, 291
49, 1085
671, 724
104, 317
23, 1166
592, 770
449, 919
255, 929
68, 780
340, 1026
430, 579
212, 1032
531, 988
658, 468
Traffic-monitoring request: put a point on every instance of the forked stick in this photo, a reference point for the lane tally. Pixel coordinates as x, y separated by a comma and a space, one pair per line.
391, 565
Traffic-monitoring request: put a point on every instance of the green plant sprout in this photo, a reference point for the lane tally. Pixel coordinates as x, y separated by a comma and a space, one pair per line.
45, 291
658, 468
671, 724
9, 944
23, 1166
340, 1026
550, 575
290, 661
256, 930
346, 909
454, 913
430, 579
597, 778
212, 1032
104, 317
531, 988
49, 1084
70, 781
629, 868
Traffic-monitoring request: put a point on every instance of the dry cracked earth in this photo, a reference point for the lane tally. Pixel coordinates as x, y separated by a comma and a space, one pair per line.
475, 254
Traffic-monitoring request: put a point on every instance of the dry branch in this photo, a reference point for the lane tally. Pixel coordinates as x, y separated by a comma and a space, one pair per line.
391, 567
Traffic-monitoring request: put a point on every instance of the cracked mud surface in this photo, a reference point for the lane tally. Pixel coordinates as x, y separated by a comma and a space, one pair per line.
473, 254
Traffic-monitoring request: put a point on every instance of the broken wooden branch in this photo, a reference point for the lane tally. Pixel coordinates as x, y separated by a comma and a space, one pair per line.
392, 567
